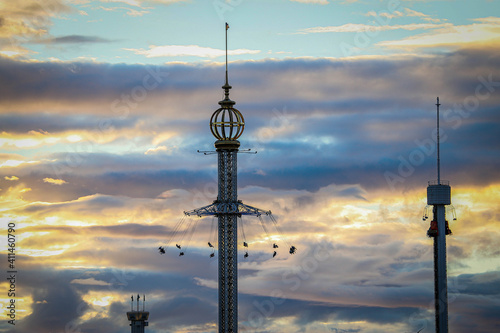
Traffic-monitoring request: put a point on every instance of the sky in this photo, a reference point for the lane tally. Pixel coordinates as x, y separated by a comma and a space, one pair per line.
105, 104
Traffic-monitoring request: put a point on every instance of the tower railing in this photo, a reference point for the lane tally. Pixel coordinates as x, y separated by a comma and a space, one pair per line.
437, 182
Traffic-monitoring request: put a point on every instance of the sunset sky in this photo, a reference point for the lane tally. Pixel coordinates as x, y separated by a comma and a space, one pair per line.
105, 103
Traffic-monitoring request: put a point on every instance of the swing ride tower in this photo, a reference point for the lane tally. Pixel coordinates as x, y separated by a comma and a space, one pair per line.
439, 196
227, 125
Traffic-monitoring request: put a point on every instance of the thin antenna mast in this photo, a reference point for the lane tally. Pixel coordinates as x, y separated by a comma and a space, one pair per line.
143, 302
226, 86
132, 303
438, 154
227, 27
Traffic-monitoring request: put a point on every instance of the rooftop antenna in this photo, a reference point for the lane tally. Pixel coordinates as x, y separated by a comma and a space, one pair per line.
143, 302
138, 298
438, 153
132, 303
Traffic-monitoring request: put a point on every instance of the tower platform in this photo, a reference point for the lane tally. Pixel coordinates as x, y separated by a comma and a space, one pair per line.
438, 194
138, 320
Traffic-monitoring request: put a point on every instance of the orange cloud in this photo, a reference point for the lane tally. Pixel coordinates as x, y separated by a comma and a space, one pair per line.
54, 181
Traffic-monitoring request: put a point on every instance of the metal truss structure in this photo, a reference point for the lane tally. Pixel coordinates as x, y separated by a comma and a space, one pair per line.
217, 207
227, 208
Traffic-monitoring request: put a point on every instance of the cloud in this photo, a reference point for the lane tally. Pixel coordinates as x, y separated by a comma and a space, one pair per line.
90, 281
407, 12
73, 39
482, 32
133, 12
188, 50
388, 15
352, 27
30, 17
11, 178
156, 150
411, 12
486, 31
54, 181
394, 268
328, 108
326, 131
47, 128
16, 163
70, 74
25, 20
130, 11
54, 303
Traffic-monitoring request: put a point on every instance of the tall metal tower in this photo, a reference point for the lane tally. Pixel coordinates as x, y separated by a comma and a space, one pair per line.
227, 125
439, 195
138, 319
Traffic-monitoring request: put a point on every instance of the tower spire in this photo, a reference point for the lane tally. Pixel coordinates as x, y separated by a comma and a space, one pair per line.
227, 27
227, 102
227, 123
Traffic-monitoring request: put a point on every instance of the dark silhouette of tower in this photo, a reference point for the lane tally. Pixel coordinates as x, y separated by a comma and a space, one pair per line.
227, 125
138, 319
439, 196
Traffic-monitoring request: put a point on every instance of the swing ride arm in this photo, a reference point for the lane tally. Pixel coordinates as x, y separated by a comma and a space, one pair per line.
219, 208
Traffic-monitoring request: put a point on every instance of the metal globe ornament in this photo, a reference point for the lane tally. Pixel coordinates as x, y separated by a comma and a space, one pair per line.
227, 124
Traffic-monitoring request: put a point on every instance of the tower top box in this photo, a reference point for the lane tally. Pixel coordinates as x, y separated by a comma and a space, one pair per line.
438, 194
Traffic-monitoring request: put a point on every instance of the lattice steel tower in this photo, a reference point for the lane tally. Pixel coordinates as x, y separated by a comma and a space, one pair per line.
439, 196
227, 125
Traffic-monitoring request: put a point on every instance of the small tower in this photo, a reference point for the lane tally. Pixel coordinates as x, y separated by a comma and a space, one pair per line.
439, 196
138, 319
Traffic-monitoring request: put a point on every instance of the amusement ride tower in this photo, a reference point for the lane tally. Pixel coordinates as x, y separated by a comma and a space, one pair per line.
227, 125
439, 196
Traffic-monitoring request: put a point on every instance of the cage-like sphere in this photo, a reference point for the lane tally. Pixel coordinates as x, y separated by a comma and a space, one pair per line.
227, 124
